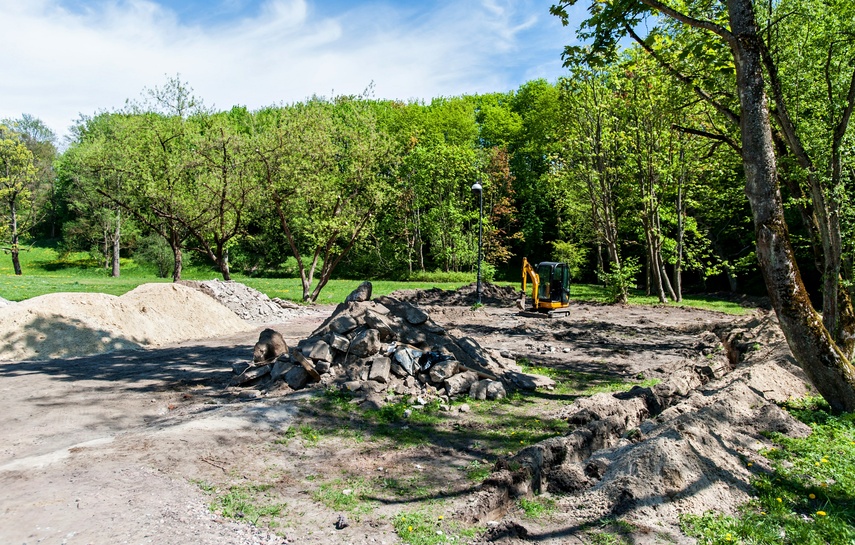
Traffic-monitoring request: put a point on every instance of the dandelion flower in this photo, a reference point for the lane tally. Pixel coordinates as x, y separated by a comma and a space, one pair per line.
440, 517
750, 464
409, 528
821, 513
779, 500
824, 460
728, 537
812, 496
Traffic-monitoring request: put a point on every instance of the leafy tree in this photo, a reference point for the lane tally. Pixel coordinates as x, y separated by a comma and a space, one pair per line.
17, 180
822, 349
324, 168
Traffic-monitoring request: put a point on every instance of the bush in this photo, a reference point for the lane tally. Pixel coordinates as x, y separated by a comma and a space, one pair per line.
153, 250
619, 280
441, 276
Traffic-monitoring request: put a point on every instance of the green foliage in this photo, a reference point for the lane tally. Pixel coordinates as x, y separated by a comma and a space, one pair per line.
620, 279
428, 528
809, 497
249, 503
156, 252
571, 253
537, 507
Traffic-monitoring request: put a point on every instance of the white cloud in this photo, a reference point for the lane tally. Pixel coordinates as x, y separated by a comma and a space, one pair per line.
60, 62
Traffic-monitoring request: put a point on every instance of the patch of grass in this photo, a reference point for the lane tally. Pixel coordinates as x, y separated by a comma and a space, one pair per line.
579, 383
429, 528
598, 294
406, 488
249, 503
477, 470
808, 498
537, 507
345, 495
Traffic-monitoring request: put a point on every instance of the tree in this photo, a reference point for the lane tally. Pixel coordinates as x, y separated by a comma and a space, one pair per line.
324, 170
17, 178
813, 345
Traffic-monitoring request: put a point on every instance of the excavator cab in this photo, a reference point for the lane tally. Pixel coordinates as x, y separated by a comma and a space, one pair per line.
550, 282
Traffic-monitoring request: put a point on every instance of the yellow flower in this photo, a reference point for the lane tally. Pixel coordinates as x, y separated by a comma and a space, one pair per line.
409, 528
824, 460
750, 464
779, 500
820, 513
823, 485
522, 442
816, 463
440, 517
812, 496
728, 537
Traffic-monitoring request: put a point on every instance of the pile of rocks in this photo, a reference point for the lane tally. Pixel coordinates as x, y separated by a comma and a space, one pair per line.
251, 305
379, 349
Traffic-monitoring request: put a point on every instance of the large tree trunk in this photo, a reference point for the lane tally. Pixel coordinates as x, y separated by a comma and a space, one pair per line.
812, 345
116, 244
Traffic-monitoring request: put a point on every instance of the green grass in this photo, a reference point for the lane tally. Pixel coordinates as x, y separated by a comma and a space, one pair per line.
46, 271
537, 507
346, 494
426, 527
808, 498
579, 383
252, 503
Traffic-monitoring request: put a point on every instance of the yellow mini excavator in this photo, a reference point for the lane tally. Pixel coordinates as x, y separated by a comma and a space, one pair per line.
550, 288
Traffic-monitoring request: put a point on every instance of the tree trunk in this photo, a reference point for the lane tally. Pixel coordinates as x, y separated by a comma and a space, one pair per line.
812, 345
176, 253
116, 244
678, 265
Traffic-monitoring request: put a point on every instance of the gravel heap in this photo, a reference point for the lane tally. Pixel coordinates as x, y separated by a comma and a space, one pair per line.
250, 304
385, 348
491, 295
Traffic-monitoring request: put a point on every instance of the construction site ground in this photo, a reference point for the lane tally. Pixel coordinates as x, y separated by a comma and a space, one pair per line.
150, 446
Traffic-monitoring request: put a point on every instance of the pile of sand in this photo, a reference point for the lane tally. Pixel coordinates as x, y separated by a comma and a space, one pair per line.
60, 325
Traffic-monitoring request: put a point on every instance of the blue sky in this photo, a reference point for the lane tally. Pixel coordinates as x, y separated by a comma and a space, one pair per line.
64, 58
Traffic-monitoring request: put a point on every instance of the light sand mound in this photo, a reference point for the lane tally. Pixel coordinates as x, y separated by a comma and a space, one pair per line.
60, 325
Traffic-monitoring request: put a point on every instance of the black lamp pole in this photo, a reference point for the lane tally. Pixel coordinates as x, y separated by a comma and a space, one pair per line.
476, 188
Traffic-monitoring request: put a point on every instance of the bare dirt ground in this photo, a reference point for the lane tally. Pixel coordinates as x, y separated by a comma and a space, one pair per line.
135, 446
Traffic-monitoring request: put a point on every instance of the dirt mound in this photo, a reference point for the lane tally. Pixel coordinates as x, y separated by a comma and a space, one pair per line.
465, 296
250, 304
686, 445
76, 324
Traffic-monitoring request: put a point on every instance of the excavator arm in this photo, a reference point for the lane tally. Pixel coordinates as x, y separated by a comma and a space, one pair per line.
529, 274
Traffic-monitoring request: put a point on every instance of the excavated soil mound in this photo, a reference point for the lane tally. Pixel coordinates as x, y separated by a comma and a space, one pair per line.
61, 325
686, 445
250, 304
466, 296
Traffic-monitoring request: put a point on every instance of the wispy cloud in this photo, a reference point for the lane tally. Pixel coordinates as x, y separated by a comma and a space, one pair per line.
62, 59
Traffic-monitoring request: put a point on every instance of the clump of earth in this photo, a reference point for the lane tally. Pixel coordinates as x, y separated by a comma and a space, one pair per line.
107, 448
491, 295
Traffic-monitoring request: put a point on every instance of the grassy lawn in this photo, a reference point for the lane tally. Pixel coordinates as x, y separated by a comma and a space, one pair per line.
46, 271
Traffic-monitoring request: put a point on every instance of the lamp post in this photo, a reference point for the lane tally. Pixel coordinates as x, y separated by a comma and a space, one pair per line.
476, 189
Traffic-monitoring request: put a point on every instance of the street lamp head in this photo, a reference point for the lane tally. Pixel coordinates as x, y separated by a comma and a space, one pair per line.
476, 188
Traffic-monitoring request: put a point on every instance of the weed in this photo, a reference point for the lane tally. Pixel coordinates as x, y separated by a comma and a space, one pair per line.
538, 507
478, 471
247, 503
344, 495
429, 528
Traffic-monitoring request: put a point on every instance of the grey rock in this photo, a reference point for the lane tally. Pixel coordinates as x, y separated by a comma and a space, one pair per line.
460, 383
317, 350
366, 343
361, 293
478, 390
415, 315
280, 368
496, 390
297, 377
375, 321
239, 367
353, 385
339, 342
398, 371
322, 367
250, 374
380, 368
408, 358
343, 323
443, 370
